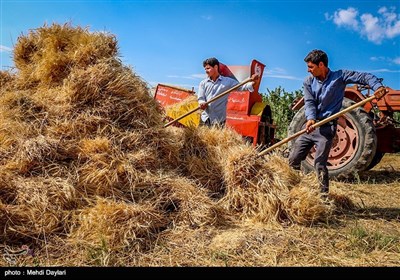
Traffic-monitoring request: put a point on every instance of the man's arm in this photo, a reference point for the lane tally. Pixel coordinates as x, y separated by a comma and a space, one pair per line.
201, 97
310, 105
363, 78
309, 101
250, 85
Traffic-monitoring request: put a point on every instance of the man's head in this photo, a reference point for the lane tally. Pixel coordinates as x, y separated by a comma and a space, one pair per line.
317, 63
211, 65
317, 56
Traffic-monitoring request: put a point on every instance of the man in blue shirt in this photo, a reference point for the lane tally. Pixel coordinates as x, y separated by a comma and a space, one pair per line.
213, 85
323, 96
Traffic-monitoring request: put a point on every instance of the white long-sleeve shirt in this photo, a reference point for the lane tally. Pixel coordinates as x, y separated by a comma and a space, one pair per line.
208, 89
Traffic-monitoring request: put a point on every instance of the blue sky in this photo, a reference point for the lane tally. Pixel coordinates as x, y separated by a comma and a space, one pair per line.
166, 41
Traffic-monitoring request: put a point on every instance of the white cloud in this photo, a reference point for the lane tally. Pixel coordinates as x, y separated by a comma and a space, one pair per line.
347, 18
5, 49
276, 70
199, 76
382, 70
392, 21
372, 28
385, 25
396, 60
280, 73
286, 77
191, 77
377, 58
207, 17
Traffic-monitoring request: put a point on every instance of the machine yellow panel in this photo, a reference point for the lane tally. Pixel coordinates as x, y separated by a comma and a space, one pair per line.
178, 109
258, 108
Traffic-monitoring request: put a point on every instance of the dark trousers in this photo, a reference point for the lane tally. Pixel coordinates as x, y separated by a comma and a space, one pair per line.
322, 138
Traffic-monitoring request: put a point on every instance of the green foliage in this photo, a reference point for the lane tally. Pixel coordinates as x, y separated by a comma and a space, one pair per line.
396, 117
99, 255
280, 101
365, 241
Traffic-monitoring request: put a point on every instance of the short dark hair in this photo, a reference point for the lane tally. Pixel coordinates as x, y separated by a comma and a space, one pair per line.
212, 61
317, 56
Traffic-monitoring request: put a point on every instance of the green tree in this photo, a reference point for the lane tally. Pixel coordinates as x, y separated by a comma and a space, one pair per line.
280, 102
396, 116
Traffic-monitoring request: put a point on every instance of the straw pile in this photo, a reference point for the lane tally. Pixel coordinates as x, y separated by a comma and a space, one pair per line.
85, 158
6, 79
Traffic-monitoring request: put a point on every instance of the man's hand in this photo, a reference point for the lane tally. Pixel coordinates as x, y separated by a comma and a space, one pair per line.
309, 126
255, 78
203, 106
381, 92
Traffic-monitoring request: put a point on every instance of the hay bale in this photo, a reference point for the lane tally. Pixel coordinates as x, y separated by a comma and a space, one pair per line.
19, 109
42, 206
109, 166
305, 206
283, 175
36, 155
7, 214
6, 81
117, 226
25, 224
46, 193
341, 201
266, 189
203, 155
186, 203
8, 190
100, 177
251, 189
83, 125
111, 91
11, 132
99, 146
151, 149
46, 55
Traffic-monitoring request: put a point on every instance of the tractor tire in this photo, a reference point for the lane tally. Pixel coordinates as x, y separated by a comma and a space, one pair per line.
377, 159
354, 146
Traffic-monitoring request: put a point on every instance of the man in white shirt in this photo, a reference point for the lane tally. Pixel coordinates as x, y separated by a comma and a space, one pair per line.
212, 86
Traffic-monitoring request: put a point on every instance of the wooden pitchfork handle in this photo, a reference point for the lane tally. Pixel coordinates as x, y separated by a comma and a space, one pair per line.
378, 94
209, 101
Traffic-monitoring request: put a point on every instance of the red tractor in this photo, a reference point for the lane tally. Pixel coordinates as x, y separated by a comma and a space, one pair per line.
246, 113
363, 135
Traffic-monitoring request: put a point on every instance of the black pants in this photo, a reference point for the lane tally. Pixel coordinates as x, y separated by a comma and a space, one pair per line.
322, 138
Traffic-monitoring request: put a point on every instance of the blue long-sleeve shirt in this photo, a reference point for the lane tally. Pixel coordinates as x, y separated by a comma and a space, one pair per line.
208, 89
324, 98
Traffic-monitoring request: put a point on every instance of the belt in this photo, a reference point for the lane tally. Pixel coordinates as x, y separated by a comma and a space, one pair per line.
332, 122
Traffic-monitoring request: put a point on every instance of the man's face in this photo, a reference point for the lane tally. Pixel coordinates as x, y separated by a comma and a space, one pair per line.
314, 69
211, 71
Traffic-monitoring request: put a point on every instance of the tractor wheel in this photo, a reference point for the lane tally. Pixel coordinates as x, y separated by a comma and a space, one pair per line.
377, 159
354, 145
